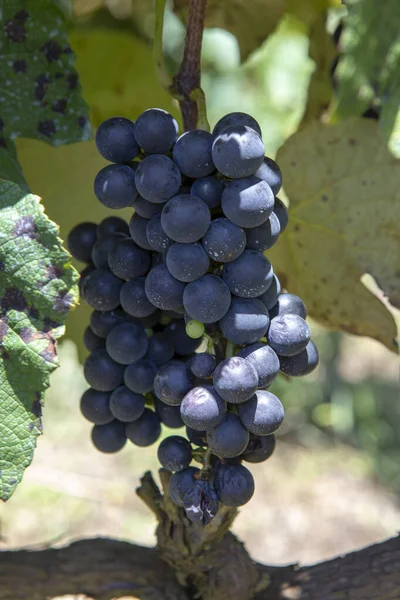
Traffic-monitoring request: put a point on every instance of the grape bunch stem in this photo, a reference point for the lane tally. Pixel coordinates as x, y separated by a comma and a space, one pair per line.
185, 85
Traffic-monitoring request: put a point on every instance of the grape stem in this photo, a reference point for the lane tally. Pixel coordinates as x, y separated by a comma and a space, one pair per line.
158, 54
186, 83
229, 350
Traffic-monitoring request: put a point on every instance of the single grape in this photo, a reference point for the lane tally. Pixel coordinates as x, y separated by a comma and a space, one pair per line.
208, 189
163, 290
207, 299
126, 405
160, 349
235, 379
103, 247
156, 235
185, 218
134, 300
101, 322
139, 376
264, 236
288, 304
144, 431
175, 453
101, 290
146, 209
259, 448
192, 153
201, 502
202, 364
238, 151
95, 407
180, 483
184, 344
271, 173
270, 297
264, 360
170, 416
236, 118
195, 329
128, 261
127, 343
156, 131
138, 231
92, 341
172, 382
246, 321
115, 140
101, 372
234, 484
229, 438
300, 364
249, 275
262, 414
81, 240
157, 178
282, 213
197, 438
288, 334
224, 241
115, 187
202, 408
112, 225
247, 202
187, 262
109, 438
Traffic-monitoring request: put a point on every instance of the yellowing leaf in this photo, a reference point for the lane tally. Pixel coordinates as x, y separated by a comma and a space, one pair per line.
117, 74
344, 191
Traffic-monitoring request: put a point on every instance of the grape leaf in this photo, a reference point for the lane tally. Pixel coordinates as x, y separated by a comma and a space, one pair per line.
39, 89
127, 82
344, 191
369, 69
38, 287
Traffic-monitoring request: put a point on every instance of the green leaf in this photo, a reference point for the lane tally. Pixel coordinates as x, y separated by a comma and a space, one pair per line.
369, 69
126, 84
38, 287
39, 90
250, 23
344, 191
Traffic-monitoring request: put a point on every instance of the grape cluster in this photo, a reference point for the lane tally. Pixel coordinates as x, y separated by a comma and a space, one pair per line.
189, 324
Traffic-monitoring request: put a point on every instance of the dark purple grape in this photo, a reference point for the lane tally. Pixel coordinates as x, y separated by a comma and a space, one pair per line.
126, 405
202, 408
234, 484
235, 379
144, 431
81, 240
109, 438
95, 407
175, 453
262, 414
229, 438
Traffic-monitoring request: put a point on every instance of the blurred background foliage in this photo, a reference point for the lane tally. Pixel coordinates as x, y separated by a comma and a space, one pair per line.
283, 72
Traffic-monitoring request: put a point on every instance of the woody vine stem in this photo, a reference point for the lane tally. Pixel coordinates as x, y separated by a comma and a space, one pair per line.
185, 85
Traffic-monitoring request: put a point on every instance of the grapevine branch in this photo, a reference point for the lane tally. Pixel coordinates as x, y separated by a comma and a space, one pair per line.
105, 569
186, 83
